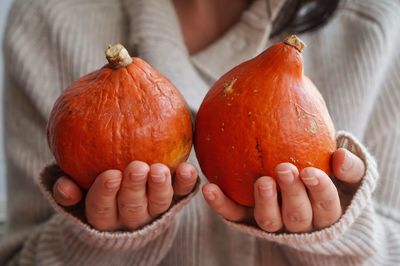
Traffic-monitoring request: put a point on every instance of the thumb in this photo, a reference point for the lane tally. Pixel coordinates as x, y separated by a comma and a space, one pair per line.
66, 192
347, 167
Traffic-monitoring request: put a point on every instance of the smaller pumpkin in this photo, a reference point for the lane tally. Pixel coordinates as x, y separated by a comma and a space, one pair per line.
122, 112
259, 114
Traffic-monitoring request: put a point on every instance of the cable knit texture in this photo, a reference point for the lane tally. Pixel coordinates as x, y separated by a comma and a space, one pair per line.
354, 60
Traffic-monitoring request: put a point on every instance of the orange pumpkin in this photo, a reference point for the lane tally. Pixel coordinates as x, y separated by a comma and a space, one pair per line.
259, 114
122, 112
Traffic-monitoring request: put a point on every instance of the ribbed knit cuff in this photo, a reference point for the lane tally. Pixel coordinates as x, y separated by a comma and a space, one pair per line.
74, 219
328, 240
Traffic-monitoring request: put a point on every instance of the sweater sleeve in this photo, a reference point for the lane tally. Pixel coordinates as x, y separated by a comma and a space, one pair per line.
67, 235
357, 233
40, 232
365, 234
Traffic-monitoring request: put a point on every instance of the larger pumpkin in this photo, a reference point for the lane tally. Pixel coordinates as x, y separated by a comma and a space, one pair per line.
123, 112
261, 113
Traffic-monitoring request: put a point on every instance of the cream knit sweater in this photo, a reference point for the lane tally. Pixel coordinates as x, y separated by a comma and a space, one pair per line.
354, 60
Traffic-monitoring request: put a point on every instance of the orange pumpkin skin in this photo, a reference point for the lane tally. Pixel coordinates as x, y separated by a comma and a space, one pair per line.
259, 114
111, 117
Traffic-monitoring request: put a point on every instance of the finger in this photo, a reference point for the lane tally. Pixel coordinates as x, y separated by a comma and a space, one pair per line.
160, 190
101, 202
132, 199
66, 192
266, 211
347, 167
184, 180
223, 205
324, 197
296, 207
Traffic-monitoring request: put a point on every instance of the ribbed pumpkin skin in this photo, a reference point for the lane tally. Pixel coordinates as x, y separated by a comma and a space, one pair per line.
111, 117
259, 114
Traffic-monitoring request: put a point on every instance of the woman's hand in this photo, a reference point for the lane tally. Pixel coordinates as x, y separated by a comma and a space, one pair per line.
128, 199
310, 200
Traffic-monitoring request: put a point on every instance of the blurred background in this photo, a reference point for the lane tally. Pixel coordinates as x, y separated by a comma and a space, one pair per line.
4, 7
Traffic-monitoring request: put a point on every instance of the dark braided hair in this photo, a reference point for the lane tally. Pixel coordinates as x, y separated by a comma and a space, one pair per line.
298, 16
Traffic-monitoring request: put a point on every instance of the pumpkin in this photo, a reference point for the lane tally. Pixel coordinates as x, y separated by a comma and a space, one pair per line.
261, 113
122, 112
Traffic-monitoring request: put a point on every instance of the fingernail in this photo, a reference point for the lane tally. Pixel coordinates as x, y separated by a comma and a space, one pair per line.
185, 174
309, 177
310, 181
348, 161
61, 192
210, 195
266, 190
139, 172
136, 176
286, 177
160, 178
113, 184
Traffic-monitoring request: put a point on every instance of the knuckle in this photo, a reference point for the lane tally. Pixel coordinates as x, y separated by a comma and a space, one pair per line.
134, 186
325, 205
160, 204
132, 209
269, 225
108, 192
97, 209
297, 217
293, 194
163, 197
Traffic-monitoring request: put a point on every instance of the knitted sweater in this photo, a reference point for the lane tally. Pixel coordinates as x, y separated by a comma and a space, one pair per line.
354, 60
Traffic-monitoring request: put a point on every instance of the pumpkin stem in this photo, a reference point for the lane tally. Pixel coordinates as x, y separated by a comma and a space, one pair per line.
295, 41
117, 56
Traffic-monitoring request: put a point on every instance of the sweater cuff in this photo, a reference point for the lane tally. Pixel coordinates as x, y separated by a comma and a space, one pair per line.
75, 222
361, 200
